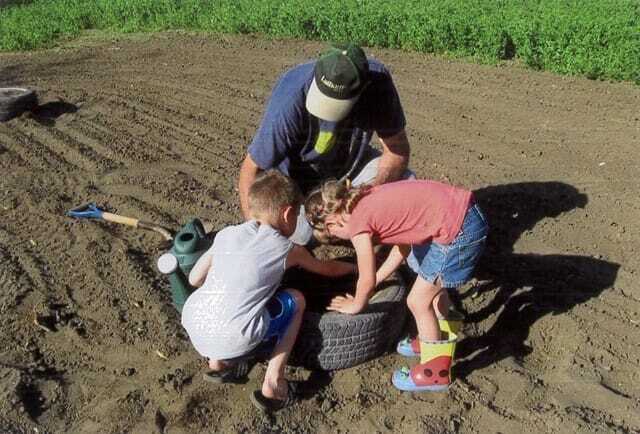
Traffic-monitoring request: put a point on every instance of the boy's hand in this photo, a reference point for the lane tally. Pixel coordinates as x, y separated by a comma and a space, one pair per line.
346, 304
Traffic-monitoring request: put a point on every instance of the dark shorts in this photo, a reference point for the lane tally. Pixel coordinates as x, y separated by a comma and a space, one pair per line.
281, 308
453, 263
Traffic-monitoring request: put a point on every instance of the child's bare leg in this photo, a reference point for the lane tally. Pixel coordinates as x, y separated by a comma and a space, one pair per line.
217, 365
442, 303
274, 385
420, 302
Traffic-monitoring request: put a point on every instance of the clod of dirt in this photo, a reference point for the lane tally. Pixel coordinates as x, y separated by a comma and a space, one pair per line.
174, 381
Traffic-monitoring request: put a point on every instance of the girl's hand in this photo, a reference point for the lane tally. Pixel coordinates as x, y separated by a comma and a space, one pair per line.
346, 304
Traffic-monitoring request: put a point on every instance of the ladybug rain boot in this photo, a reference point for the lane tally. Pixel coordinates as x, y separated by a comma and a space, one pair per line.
433, 373
409, 347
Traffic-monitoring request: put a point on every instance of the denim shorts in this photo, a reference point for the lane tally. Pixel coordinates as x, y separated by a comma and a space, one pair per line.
453, 263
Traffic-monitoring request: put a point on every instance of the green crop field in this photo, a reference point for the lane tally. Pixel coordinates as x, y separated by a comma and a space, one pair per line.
594, 38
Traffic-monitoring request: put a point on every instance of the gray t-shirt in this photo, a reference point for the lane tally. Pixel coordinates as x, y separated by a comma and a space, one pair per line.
226, 317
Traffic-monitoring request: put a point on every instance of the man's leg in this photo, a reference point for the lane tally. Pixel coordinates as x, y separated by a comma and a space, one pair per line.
275, 385
369, 172
304, 231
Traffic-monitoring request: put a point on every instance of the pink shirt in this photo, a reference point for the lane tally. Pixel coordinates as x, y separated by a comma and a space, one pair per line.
411, 212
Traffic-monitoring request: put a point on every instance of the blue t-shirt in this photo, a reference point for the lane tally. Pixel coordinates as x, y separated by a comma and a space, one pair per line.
311, 150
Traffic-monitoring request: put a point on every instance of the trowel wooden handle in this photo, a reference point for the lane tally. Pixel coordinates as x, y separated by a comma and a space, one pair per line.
129, 221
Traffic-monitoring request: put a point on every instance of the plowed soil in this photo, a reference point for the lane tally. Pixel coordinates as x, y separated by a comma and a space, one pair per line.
155, 127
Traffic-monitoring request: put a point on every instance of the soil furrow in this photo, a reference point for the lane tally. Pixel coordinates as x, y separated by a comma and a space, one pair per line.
78, 155
183, 142
28, 148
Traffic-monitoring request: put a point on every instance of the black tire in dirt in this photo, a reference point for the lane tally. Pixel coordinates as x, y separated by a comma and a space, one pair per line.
14, 101
331, 340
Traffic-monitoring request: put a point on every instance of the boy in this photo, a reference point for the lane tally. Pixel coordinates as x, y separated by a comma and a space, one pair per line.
239, 310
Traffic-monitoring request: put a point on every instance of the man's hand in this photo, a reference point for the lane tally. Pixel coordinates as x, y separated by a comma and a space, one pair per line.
346, 304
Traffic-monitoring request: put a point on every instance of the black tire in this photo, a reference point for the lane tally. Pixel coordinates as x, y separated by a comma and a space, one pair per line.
330, 340
14, 101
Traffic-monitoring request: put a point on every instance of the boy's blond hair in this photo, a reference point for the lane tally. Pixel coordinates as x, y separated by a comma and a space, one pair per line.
332, 197
270, 193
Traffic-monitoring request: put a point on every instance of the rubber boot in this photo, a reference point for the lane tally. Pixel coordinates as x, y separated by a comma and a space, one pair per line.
451, 324
433, 373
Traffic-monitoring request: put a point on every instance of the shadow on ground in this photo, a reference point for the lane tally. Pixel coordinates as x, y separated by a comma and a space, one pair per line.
528, 286
46, 114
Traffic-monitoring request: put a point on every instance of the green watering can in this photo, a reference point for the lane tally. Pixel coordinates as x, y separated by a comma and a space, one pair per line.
189, 244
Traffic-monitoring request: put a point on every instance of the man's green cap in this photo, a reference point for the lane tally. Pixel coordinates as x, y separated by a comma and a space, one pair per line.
340, 75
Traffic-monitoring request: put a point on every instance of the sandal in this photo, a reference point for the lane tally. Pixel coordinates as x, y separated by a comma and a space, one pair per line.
271, 404
236, 373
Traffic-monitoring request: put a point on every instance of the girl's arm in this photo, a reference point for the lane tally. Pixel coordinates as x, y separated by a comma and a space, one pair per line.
301, 257
199, 271
397, 254
366, 278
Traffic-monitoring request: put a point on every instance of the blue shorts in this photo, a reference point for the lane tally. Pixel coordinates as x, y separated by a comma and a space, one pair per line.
453, 263
282, 308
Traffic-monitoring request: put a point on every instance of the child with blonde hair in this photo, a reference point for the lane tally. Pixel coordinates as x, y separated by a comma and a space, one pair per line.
239, 310
441, 233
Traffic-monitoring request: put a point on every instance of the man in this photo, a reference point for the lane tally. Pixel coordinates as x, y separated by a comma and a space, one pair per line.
319, 123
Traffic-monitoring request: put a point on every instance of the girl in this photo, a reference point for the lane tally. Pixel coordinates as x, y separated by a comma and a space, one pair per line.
441, 233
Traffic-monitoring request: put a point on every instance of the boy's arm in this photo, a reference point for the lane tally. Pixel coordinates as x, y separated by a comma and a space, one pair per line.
397, 254
301, 257
199, 271
366, 278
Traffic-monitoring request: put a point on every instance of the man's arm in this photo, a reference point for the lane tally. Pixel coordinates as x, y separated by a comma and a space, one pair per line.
280, 129
395, 158
248, 172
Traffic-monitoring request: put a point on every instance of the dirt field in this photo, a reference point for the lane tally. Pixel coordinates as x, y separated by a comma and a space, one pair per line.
156, 127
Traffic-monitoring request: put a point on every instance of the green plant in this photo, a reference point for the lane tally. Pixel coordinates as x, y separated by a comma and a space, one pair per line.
596, 38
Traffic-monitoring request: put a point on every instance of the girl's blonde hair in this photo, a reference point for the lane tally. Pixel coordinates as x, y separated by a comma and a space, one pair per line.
332, 197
